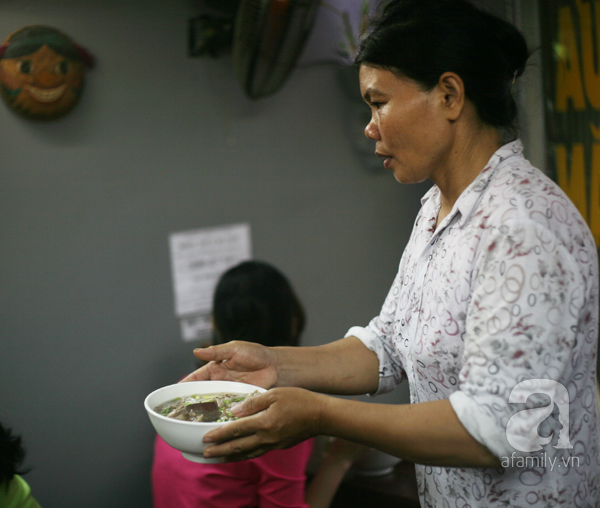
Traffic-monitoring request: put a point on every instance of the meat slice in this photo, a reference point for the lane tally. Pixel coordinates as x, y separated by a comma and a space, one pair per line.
205, 411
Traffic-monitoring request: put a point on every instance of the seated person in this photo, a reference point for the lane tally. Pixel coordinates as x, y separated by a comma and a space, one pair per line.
14, 490
253, 302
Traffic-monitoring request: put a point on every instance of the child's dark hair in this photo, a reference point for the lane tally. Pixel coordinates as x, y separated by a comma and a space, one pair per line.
422, 39
12, 455
255, 302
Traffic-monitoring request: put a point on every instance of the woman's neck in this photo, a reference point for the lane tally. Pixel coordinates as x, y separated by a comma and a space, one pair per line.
469, 155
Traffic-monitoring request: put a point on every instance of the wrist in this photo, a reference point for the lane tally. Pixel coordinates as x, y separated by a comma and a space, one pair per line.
322, 406
289, 368
277, 364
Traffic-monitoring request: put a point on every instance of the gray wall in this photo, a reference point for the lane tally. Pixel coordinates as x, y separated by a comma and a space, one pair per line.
161, 143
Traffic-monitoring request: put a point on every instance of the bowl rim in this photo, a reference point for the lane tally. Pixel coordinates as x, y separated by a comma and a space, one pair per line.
153, 413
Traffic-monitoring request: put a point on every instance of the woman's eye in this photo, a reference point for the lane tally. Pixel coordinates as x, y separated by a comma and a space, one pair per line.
25, 66
62, 67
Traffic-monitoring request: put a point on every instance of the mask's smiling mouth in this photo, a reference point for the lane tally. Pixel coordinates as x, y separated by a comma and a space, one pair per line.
47, 94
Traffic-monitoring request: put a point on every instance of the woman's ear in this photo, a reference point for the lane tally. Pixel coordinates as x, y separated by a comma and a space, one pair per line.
452, 89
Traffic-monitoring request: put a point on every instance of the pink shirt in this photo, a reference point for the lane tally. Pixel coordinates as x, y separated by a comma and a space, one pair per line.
275, 480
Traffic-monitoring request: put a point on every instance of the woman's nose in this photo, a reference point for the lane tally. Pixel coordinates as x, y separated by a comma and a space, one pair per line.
371, 131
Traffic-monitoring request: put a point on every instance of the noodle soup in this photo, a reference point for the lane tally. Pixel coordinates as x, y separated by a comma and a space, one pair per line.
213, 407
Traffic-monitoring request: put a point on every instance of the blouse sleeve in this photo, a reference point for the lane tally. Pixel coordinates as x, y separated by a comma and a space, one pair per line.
528, 299
377, 337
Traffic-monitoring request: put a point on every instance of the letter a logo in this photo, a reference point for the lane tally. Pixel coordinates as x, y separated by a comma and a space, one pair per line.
522, 428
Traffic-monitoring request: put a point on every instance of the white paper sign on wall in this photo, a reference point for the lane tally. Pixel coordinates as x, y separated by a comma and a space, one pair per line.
198, 258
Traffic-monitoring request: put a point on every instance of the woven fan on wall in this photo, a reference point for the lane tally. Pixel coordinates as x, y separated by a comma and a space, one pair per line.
266, 38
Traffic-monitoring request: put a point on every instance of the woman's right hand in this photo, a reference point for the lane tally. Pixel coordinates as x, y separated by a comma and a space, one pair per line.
245, 362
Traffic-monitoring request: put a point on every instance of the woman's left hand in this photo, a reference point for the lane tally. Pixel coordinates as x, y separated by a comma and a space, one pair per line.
278, 418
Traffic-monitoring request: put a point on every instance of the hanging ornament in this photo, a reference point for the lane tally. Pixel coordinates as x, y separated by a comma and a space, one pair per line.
42, 72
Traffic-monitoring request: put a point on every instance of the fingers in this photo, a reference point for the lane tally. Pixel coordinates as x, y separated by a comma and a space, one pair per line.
206, 354
243, 427
206, 373
226, 432
245, 456
201, 374
241, 449
271, 420
237, 440
252, 405
212, 353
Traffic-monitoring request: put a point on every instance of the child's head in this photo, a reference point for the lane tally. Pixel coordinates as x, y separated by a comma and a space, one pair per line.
254, 302
11, 456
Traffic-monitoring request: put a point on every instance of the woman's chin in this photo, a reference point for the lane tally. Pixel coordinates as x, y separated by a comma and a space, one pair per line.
406, 179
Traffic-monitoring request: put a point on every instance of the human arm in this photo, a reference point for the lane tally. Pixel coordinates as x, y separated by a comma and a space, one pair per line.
531, 311
427, 433
343, 367
326, 481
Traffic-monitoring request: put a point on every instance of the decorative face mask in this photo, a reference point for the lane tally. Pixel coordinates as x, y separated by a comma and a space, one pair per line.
41, 72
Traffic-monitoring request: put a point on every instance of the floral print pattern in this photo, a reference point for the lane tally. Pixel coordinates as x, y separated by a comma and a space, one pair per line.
505, 290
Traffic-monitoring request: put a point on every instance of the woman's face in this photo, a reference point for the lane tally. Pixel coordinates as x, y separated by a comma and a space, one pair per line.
408, 124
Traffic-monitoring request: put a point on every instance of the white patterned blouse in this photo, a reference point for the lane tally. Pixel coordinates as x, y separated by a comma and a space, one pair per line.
497, 304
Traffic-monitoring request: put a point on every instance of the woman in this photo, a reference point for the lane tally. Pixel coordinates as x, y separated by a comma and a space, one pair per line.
252, 301
495, 303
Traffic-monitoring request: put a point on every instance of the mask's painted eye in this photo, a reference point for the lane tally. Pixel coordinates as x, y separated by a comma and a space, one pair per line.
62, 67
25, 66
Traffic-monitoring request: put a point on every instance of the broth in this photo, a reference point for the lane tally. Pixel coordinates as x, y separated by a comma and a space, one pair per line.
213, 407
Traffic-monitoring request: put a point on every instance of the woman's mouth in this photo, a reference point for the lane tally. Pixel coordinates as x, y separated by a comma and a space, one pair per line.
388, 159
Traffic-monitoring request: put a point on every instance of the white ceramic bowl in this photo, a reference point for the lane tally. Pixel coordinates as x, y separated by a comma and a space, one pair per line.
187, 436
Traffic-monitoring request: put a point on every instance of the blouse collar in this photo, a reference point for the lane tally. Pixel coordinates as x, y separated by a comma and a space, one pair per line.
466, 202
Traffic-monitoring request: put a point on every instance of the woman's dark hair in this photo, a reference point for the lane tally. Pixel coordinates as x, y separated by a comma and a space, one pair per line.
253, 301
12, 455
422, 39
